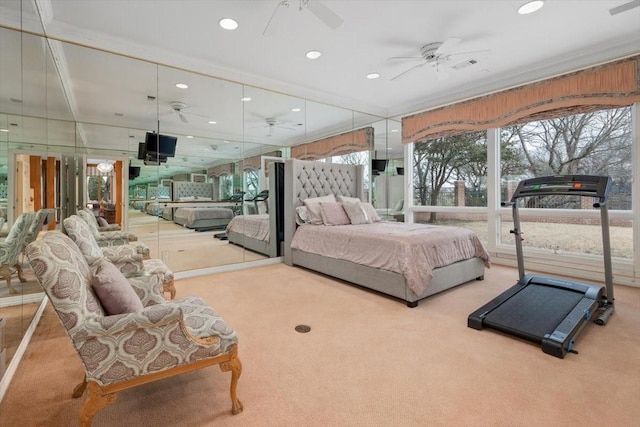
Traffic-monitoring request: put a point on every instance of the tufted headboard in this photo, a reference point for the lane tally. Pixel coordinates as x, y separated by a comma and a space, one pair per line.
203, 190
304, 179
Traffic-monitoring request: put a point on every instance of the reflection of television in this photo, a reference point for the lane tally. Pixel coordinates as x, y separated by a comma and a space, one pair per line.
134, 172
400, 171
156, 145
378, 165
141, 150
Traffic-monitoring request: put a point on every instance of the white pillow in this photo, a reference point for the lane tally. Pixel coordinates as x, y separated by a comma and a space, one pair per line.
186, 199
302, 215
313, 206
371, 212
345, 199
333, 214
357, 213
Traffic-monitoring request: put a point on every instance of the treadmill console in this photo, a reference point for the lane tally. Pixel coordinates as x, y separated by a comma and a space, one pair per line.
578, 185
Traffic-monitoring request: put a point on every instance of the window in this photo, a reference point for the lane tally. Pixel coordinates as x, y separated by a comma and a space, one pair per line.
226, 186
594, 143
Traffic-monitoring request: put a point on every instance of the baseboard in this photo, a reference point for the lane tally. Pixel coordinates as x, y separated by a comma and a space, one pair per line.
22, 348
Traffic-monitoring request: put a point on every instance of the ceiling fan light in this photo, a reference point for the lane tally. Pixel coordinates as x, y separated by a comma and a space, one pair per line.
530, 7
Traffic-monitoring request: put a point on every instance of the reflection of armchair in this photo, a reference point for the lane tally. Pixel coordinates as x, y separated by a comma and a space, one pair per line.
103, 226
11, 248
36, 225
150, 339
398, 211
112, 238
124, 257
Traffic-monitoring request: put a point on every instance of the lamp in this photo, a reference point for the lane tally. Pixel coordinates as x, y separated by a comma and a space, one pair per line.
105, 167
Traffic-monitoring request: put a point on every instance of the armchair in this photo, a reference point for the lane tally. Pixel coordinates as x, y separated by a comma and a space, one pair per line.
125, 257
11, 248
154, 340
102, 227
112, 238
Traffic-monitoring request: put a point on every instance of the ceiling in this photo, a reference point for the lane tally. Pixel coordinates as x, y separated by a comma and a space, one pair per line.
109, 93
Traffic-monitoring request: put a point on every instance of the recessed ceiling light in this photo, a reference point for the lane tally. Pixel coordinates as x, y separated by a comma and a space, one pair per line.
228, 23
245, 99
371, 76
182, 85
4, 130
295, 110
190, 136
530, 7
394, 130
313, 54
212, 122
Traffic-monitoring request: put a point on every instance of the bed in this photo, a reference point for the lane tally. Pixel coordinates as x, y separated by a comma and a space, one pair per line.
204, 218
256, 232
395, 270
252, 232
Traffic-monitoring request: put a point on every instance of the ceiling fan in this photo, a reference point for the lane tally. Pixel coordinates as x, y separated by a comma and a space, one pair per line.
624, 7
437, 56
179, 108
272, 124
319, 9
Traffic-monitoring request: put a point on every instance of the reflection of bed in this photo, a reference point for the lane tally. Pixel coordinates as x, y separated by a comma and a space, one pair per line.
155, 208
252, 232
410, 282
202, 219
167, 213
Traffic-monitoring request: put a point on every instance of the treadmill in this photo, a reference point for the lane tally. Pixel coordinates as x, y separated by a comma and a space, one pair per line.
547, 310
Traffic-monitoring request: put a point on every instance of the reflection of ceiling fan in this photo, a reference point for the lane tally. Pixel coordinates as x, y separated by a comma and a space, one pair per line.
624, 7
437, 56
179, 108
322, 12
272, 125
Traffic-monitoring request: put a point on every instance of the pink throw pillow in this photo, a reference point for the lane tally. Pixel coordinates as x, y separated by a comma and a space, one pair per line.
114, 290
333, 214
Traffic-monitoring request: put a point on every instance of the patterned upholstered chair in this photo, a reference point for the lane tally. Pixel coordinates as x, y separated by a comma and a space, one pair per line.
11, 248
112, 238
105, 235
120, 351
125, 257
102, 227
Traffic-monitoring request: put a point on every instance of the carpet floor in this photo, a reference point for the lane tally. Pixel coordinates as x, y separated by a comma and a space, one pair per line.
367, 361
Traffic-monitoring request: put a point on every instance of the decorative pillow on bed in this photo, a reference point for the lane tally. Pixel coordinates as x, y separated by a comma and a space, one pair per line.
357, 213
313, 206
371, 212
345, 199
186, 199
302, 215
333, 214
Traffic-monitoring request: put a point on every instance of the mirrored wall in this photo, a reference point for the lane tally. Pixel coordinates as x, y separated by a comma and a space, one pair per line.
74, 120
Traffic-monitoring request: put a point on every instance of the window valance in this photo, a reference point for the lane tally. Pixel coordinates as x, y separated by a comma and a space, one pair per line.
256, 161
612, 85
345, 143
226, 169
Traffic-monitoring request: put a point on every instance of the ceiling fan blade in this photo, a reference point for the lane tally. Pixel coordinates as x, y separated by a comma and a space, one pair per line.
183, 117
404, 73
466, 53
323, 13
282, 3
448, 44
414, 58
624, 7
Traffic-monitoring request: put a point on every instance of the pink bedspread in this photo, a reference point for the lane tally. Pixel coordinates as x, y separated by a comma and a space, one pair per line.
412, 250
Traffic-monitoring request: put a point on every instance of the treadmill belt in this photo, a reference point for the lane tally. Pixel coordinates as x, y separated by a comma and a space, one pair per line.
534, 311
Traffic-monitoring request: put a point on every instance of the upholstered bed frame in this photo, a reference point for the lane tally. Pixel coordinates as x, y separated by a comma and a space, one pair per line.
305, 179
272, 247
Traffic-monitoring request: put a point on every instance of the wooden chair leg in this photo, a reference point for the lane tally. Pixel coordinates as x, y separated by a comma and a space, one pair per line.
18, 268
5, 273
169, 287
94, 403
235, 366
80, 388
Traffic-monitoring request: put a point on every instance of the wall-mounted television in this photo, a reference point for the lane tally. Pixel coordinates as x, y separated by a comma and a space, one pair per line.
160, 145
134, 172
378, 165
141, 151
